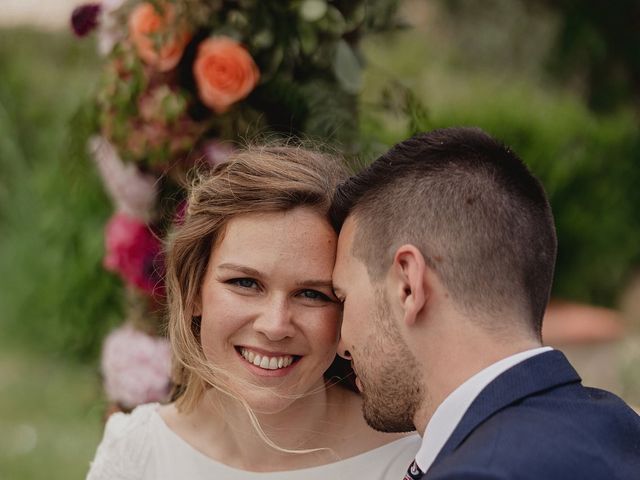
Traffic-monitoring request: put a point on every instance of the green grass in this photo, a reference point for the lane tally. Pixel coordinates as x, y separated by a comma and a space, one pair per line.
50, 417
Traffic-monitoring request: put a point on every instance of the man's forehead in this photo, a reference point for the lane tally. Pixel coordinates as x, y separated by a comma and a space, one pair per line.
343, 271
345, 239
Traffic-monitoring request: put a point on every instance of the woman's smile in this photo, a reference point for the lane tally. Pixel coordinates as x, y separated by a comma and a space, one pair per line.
268, 364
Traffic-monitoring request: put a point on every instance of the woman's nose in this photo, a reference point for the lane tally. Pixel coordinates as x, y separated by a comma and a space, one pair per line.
275, 322
342, 350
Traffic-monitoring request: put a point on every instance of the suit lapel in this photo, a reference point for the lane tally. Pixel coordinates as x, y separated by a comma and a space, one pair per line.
544, 371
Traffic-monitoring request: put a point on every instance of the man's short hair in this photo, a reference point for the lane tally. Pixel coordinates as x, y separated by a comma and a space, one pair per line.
481, 220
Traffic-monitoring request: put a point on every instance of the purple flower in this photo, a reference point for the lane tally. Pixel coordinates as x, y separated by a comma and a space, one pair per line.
84, 18
136, 367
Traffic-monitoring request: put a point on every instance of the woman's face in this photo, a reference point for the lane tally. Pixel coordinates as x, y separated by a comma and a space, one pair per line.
269, 316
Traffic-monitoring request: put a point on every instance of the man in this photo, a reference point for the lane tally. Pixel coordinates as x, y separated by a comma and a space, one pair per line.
445, 262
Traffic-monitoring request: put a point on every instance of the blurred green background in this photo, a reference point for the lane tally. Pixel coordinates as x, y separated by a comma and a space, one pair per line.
557, 82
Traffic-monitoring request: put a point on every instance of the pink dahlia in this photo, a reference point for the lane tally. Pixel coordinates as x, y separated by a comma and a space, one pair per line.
134, 252
136, 367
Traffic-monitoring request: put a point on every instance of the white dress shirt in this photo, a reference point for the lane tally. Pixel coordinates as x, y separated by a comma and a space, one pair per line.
447, 416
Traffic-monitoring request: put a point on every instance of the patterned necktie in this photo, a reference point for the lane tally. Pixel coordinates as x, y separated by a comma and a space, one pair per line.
413, 472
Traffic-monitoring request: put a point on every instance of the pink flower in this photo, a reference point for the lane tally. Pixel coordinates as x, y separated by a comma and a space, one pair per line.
131, 191
136, 367
134, 252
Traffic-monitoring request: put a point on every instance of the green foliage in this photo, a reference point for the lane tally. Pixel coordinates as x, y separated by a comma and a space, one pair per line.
54, 293
597, 45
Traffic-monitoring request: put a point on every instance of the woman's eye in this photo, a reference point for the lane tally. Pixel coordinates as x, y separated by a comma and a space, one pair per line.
314, 295
244, 282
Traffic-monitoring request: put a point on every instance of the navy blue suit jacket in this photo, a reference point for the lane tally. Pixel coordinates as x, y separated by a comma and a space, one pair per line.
537, 421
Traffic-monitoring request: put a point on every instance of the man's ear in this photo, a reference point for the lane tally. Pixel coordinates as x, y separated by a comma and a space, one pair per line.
409, 268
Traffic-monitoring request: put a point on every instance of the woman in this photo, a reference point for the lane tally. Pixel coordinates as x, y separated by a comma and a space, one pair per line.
254, 326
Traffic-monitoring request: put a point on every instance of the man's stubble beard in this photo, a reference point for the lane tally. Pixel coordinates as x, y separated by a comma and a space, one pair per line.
392, 390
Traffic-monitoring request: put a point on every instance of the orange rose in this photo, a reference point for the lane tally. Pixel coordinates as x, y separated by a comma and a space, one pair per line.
144, 23
224, 72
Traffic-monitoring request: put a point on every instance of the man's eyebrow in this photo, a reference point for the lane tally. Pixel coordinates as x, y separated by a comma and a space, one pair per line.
252, 272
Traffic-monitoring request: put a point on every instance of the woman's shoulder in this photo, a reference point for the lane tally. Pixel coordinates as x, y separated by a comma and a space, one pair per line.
125, 447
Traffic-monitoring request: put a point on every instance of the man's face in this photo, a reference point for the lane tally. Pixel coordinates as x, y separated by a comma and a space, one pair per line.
387, 373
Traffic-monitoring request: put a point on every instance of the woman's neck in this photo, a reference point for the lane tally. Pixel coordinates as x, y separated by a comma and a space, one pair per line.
221, 428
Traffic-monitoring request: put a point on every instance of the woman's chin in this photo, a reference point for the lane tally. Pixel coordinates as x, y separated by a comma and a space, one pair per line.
272, 400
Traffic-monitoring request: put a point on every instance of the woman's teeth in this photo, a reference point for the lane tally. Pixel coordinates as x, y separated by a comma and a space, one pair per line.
268, 363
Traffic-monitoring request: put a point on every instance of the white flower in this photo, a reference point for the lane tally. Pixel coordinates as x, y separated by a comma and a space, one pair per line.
131, 191
110, 30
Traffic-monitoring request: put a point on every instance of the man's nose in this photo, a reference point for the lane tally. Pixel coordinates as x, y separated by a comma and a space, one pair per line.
342, 350
275, 322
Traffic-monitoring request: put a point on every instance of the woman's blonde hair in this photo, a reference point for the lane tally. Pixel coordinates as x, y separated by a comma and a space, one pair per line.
256, 179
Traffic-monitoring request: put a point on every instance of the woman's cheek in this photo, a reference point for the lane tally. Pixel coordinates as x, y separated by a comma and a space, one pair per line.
329, 327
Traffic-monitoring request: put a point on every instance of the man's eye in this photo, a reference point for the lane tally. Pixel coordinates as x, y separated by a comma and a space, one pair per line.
243, 282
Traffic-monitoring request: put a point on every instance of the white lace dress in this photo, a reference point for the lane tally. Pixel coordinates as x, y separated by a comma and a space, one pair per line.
140, 446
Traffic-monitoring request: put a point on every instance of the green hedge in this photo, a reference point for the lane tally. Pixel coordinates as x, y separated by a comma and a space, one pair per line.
590, 167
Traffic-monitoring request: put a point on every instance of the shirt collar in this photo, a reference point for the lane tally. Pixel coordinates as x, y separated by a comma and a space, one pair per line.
449, 413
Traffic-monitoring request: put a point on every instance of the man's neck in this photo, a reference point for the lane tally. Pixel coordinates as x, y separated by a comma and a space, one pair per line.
450, 367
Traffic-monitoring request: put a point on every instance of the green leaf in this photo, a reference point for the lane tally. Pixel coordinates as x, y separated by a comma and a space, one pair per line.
347, 68
313, 10
262, 39
334, 22
308, 38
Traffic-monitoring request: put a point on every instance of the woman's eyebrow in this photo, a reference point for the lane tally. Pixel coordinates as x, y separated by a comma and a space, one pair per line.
315, 283
252, 272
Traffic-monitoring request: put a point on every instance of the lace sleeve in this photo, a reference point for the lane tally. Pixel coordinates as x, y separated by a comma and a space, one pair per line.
124, 451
